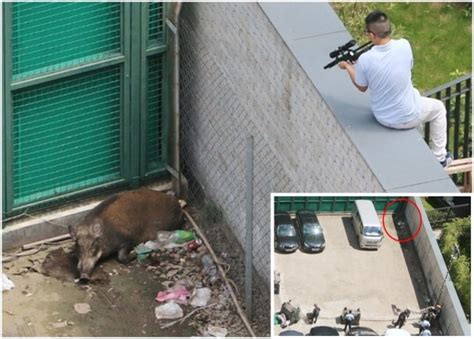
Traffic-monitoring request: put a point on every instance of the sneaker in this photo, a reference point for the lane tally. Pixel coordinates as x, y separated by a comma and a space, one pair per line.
447, 160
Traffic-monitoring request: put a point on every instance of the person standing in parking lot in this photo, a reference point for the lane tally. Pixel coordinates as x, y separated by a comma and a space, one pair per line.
424, 325
314, 314
425, 332
349, 318
402, 317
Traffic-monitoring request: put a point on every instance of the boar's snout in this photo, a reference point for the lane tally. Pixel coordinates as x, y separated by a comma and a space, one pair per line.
85, 267
84, 279
88, 249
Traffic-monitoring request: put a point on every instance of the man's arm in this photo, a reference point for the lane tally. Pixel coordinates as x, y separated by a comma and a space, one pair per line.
348, 67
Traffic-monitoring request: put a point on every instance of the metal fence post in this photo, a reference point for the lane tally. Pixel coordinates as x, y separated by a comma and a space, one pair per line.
249, 226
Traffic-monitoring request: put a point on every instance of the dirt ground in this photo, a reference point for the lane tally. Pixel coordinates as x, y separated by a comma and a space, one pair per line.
122, 299
379, 282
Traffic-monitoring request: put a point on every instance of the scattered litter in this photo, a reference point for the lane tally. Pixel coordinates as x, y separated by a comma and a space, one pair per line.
142, 251
7, 284
171, 273
215, 331
60, 324
168, 240
170, 310
224, 296
201, 297
82, 308
194, 245
153, 245
178, 293
181, 236
187, 316
182, 203
210, 268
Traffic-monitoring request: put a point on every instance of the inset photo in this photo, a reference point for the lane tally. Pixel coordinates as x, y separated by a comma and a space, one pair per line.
371, 265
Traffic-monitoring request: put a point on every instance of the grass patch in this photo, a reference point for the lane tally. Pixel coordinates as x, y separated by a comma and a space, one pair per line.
440, 35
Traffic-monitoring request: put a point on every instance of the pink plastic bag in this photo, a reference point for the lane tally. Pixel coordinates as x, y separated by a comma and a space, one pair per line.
177, 293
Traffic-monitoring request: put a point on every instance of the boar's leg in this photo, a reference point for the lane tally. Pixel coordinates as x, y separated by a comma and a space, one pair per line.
125, 255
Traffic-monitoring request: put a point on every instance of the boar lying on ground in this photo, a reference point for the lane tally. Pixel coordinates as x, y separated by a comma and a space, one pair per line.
121, 222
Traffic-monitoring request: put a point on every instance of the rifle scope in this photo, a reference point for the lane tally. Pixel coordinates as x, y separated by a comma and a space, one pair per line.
344, 47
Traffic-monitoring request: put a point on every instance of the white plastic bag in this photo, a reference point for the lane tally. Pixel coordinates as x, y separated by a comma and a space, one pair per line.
201, 297
7, 284
169, 310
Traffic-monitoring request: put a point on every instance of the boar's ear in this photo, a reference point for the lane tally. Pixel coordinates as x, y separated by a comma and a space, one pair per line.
97, 229
73, 232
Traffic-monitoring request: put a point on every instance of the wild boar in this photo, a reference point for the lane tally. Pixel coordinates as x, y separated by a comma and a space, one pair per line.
121, 222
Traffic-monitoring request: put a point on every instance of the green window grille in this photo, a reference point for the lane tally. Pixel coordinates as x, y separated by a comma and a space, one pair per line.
66, 135
155, 22
73, 123
51, 36
155, 133
156, 94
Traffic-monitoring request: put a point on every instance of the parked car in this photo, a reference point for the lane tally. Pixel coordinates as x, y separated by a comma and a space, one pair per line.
286, 238
290, 333
363, 331
310, 232
367, 224
396, 332
323, 331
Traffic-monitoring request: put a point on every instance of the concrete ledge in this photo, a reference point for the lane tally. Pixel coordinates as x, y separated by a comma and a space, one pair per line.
55, 222
400, 160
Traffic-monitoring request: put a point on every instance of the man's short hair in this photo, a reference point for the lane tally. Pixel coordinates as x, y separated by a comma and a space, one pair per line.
378, 23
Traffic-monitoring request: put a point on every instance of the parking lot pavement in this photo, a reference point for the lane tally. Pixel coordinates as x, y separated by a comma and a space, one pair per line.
344, 275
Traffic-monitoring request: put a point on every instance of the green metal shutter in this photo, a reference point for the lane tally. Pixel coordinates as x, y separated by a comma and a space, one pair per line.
66, 135
51, 36
73, 124
66, 131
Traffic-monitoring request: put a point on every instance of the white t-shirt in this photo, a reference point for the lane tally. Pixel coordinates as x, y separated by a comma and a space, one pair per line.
386, 70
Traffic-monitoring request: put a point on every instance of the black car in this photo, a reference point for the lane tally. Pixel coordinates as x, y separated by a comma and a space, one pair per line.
310, 231
363, 331
286, 238
323, 331
290, 333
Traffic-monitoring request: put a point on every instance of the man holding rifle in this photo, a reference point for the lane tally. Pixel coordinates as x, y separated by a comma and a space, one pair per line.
386, 70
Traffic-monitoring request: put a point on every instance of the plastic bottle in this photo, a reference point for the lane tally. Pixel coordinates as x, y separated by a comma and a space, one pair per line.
181, 236
194, 245
209, 267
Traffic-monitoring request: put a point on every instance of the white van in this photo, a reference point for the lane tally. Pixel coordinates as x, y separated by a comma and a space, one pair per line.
367, 224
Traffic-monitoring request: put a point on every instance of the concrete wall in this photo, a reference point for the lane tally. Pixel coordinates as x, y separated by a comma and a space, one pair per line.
453, 320
238, 78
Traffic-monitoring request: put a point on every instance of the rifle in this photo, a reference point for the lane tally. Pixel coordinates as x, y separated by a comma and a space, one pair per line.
345, 53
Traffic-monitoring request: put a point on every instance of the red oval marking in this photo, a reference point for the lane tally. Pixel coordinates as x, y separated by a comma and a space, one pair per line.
414, 235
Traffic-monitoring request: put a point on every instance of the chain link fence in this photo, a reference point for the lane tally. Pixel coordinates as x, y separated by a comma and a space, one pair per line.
217, 191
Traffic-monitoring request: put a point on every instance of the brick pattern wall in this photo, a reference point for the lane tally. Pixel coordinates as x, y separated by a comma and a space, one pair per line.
238, 78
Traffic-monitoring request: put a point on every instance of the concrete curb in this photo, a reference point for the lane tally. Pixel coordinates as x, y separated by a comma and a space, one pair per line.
55, 222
